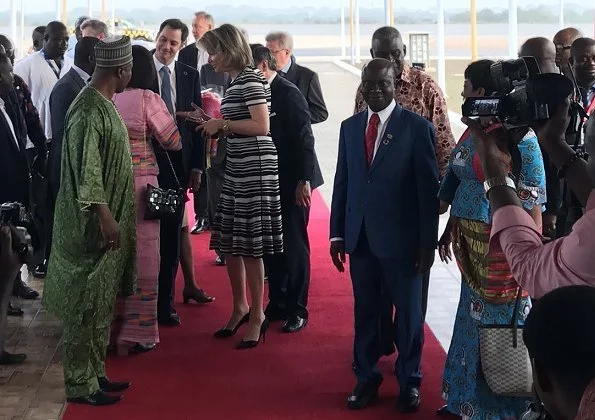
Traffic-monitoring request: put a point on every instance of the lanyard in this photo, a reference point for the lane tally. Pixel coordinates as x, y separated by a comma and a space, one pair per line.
52, 64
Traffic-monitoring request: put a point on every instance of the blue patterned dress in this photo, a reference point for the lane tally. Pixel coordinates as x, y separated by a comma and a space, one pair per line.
464, 387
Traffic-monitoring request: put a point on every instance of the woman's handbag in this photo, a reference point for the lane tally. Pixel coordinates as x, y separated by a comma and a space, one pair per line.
163, 203
505, 361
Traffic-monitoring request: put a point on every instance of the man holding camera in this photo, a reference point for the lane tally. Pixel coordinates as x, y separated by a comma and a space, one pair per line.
13, 166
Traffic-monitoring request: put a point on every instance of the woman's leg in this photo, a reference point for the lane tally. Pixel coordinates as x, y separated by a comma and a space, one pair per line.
255, 277
191, 289
237, 277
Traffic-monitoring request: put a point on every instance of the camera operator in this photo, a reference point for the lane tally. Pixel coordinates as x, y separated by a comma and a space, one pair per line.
10, 266
544, 52
540, 268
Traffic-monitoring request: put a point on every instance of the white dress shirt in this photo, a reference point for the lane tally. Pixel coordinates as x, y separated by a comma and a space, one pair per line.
172, 78
203, 56
384, 116
7, 118
82, 73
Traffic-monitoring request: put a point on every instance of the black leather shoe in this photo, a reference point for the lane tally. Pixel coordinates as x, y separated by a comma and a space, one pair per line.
7, 358
294, 324
41, 270
23, 291
409, 400
98, 398
14, 310
220, 260
364, 394
108, 386
171, 320
200, 226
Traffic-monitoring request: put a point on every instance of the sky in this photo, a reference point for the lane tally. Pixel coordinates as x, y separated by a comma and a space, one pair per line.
46, 6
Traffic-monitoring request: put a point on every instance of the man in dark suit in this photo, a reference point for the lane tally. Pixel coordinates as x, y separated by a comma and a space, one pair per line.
14, 176
281, 45
63, 94
179, 87
196, 56
299, 173
385, 215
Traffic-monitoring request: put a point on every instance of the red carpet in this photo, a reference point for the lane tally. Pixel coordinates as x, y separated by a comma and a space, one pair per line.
303, 376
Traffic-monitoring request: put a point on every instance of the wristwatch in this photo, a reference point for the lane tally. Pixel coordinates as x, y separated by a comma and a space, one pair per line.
304, 182
499, 181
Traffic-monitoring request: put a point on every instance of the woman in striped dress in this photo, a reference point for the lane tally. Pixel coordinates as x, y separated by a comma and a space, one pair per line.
248, 219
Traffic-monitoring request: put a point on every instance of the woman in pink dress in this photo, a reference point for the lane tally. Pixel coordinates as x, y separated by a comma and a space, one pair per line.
146, 118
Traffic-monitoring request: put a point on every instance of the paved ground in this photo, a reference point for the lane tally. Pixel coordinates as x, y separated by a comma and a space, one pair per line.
34, 390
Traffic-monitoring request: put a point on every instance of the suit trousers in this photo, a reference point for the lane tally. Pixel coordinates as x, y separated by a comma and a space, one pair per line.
39, 208
51, 207
169, 250
201, 199
215, 175
388, 319
84, 349
289, 272
398, 277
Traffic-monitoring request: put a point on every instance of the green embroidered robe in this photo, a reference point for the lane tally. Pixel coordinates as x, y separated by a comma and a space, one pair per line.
83, 277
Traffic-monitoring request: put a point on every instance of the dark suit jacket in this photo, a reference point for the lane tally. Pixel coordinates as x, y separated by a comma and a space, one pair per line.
14, 168
63, 94
307, 82
189, 56
292, 134
396, 199
192, 155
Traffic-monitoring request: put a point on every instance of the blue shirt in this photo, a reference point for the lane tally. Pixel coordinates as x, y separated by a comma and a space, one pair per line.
465, 192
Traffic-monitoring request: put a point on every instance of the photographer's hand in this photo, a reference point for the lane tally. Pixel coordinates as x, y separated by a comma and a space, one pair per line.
10, 263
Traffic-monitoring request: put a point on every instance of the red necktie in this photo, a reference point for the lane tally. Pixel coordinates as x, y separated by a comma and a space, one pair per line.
371, 135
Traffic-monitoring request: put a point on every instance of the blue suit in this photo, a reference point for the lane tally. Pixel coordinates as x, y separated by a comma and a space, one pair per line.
386, 214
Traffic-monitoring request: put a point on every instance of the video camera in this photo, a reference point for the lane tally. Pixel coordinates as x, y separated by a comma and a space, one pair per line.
15, 216
524, 96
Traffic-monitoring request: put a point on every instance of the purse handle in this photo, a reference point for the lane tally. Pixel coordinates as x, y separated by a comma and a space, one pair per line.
145, 140
514, 324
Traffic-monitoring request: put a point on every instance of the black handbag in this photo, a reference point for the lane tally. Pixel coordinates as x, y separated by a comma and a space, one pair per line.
162, 203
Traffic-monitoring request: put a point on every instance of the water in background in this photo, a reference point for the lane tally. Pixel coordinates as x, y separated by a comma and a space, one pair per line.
492, 37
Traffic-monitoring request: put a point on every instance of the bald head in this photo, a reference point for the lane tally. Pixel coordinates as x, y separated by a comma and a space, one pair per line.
544, 52
8, 47
563, 41
84, 53
378, 65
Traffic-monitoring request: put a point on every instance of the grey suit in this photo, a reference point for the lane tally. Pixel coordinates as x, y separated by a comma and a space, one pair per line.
63, 94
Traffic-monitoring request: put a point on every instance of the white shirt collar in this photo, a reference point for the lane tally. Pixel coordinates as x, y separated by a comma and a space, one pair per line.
82, 73
272, 77
159, 65
385, 114
287, 66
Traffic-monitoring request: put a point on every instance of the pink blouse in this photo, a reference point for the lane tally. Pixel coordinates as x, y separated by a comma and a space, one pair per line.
146, 117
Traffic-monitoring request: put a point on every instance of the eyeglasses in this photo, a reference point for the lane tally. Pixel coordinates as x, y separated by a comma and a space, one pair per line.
278, 51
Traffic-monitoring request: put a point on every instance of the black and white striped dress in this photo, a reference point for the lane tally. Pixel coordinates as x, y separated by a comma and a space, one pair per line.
248, 218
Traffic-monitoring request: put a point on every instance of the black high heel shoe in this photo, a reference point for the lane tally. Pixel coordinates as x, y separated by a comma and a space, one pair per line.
226, 332
250, 344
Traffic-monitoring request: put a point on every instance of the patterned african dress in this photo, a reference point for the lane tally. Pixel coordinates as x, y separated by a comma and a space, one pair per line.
83, 277
248, 218
488, 290
146, 117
